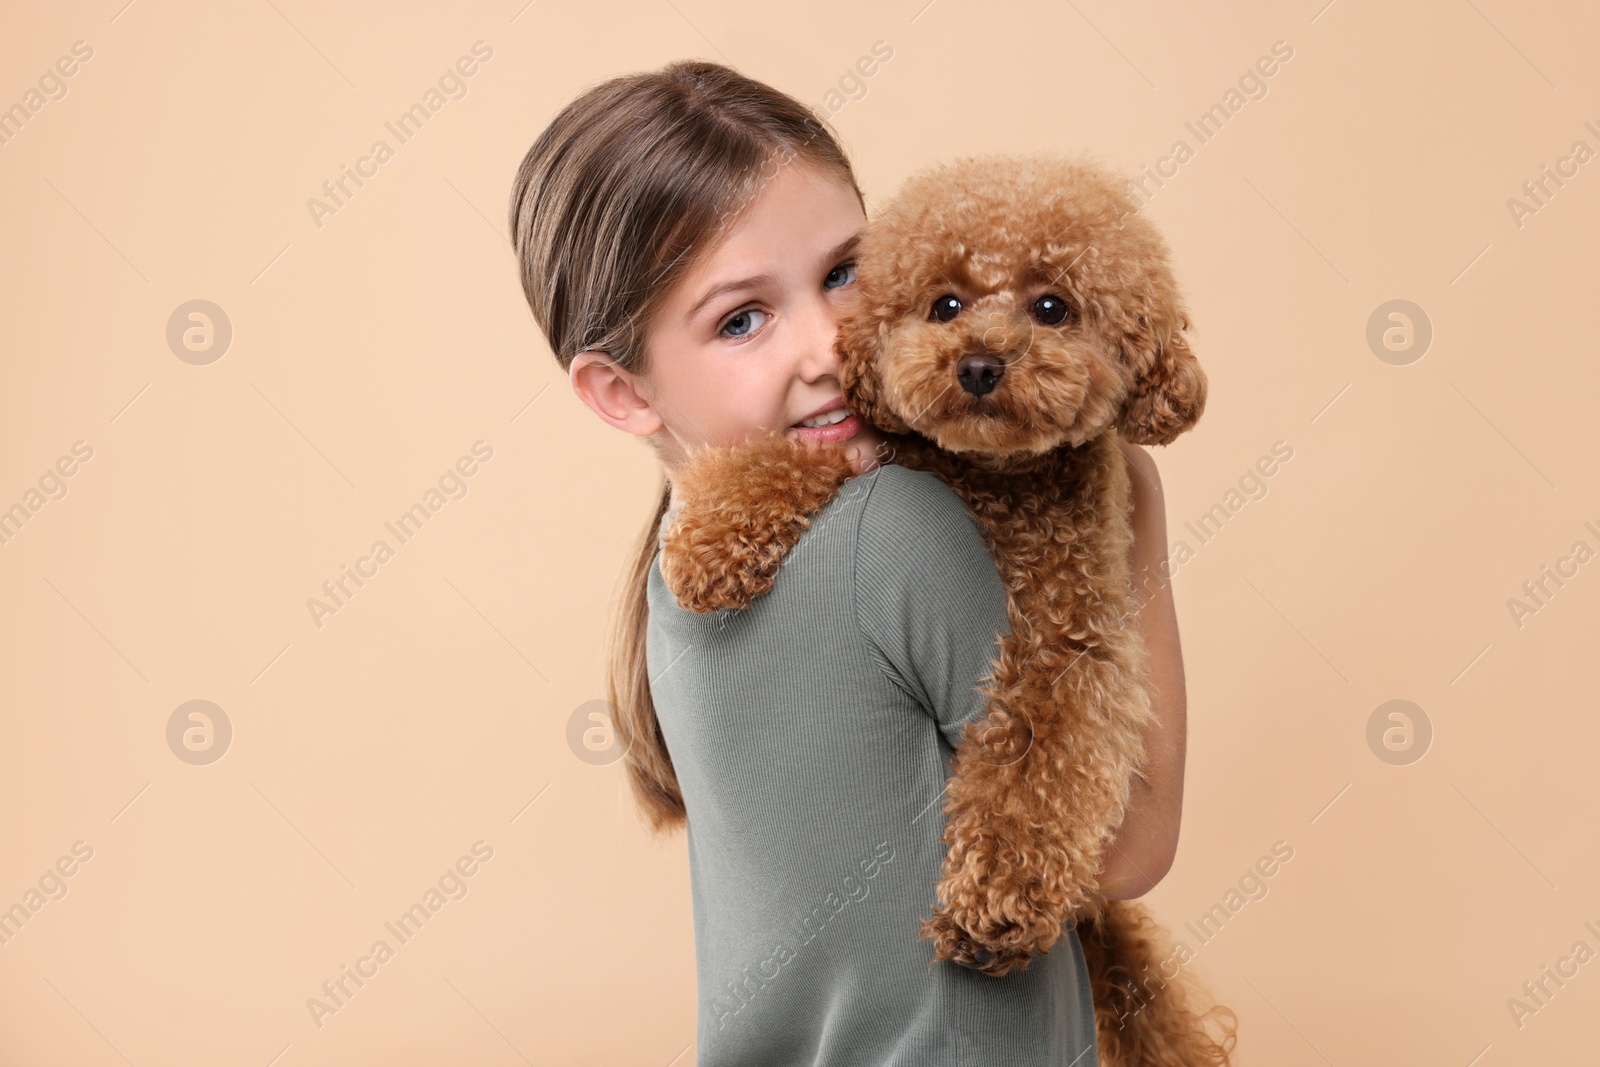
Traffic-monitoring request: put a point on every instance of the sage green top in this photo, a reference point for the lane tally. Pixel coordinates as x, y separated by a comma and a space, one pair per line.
812, 736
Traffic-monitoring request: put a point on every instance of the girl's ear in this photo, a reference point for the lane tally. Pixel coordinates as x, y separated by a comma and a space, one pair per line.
862, 338
612, 393
1169, 388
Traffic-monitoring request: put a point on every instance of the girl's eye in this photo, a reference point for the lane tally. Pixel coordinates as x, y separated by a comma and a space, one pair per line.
740, 323
846, 268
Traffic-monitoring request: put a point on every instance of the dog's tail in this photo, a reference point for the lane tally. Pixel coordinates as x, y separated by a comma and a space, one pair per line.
1143, 1017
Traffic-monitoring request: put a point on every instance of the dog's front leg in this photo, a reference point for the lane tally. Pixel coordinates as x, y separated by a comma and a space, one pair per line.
1039, 787
1042, 783
740, 509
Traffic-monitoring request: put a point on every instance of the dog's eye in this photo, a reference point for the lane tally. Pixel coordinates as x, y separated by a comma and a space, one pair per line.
1050, 309
946, 307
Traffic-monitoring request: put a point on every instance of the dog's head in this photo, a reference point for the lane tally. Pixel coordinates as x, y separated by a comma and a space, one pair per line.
1015, 304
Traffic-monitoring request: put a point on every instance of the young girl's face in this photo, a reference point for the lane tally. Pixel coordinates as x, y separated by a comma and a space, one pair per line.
743, 342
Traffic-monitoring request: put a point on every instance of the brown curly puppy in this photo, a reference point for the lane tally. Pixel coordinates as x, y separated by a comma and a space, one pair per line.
1014, 315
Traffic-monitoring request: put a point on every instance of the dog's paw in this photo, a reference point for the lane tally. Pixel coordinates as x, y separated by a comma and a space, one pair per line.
741, 509
1005, 891
991, 952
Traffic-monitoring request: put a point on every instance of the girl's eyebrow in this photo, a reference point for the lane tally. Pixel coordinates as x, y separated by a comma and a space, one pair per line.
766, 278
843, 248
833, 255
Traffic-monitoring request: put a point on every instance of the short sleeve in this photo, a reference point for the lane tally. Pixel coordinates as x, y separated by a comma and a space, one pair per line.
928, 598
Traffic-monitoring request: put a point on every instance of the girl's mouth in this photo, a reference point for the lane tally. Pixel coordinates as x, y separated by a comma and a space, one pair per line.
842, 430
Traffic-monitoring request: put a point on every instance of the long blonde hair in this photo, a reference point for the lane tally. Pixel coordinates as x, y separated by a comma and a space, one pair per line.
620, 194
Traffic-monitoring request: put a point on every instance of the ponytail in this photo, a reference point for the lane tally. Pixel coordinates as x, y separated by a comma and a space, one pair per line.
649, 764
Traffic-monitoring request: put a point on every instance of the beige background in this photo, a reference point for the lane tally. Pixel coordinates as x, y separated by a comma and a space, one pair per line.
371, 352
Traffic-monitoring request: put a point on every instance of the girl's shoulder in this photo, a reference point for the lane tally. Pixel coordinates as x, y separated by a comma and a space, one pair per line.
911, 523
910, 505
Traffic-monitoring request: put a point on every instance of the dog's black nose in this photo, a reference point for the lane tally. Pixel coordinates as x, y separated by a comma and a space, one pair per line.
979, 374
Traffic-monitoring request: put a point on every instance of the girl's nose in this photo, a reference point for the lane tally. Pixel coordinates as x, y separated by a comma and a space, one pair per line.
818, 358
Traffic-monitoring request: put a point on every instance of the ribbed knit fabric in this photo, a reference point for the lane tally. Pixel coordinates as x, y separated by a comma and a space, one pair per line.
812, 735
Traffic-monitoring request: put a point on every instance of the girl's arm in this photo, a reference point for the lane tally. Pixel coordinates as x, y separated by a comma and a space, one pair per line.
1143, 849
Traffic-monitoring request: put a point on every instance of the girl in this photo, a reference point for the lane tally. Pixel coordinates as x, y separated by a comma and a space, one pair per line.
684, 238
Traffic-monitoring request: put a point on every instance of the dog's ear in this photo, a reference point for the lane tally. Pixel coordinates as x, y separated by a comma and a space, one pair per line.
1168, 393
863, 335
